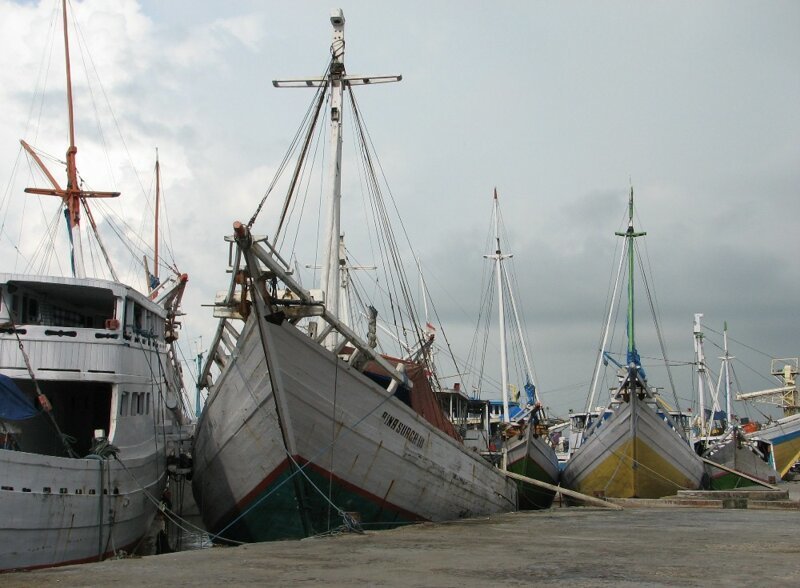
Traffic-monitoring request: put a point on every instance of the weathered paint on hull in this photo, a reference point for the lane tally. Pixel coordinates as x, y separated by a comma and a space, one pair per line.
728, 481
380, 451
272, 512
532, 497
49, 528
643, 459
787, 453
634, 470
741, 458
785, 438
532, 458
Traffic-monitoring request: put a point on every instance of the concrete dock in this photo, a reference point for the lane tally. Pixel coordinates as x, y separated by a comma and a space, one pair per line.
558, 547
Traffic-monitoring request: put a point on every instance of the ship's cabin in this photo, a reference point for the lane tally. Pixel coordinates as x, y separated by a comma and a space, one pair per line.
57, 305
65, 327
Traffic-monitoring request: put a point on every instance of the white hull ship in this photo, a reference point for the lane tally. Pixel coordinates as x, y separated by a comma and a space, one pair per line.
635, 450
112, 388
307, 430
89, 400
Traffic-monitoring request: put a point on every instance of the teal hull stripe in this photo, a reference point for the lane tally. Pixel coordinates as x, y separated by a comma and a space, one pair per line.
271, 510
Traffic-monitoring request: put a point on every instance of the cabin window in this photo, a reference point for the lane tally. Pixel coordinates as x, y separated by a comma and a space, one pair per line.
137, 318
15, 305
124, 404
61, 305
139, 402
32, 314
5, 311
141, 324
62, 317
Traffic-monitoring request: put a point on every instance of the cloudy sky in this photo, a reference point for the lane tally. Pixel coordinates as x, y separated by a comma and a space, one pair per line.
561, 106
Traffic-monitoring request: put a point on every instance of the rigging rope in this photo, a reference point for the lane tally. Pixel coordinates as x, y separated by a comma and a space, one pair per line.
318, 100
383, 220
321, 93
300, 468
658, 331
44, 403
634, 462
280, 239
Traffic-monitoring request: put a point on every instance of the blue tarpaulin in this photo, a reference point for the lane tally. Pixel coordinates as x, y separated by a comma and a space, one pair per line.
15, 405
530, 390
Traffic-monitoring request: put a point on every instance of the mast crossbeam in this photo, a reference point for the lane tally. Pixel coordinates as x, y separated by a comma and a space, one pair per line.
348, 80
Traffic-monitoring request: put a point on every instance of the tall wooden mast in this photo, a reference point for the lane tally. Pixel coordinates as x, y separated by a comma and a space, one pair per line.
627, 253
633, 355
330, 279
498, 258
155, 237
727, 360
72, 196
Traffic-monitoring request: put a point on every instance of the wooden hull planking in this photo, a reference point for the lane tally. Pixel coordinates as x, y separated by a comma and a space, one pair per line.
362, 447
633, 454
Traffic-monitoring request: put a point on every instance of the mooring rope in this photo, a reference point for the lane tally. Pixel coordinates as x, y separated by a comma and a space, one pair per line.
301, 468
169, 513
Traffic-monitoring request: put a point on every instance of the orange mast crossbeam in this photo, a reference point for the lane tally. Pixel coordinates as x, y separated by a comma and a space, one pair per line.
41, 164
72, 195
66, 193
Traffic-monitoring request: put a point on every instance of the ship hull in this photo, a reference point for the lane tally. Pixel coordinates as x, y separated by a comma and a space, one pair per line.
740, 456
784, 435
532, 458
331, 441
633, 454
59, 517
107, 391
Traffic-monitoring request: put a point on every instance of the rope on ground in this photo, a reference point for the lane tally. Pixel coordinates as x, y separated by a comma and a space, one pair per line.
349, 525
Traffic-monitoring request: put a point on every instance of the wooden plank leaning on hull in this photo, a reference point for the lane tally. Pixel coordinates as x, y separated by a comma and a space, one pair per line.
571, 493
738, 473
